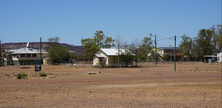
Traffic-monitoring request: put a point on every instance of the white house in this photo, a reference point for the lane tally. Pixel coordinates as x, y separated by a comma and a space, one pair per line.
107, 56
219, 57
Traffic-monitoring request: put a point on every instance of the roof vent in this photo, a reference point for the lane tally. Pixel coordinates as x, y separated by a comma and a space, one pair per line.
27, 45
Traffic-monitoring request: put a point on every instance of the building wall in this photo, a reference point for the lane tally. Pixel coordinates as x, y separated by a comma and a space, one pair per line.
104, 60
219, 57
18, 60
111, 60
158, 50
95, 60
47, 61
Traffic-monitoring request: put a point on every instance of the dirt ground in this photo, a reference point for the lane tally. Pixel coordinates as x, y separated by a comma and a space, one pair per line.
193, 85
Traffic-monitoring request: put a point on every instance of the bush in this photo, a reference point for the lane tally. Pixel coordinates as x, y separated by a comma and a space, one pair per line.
22, 75
43, 74
106, 66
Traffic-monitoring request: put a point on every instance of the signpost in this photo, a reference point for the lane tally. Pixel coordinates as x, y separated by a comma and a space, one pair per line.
38, 67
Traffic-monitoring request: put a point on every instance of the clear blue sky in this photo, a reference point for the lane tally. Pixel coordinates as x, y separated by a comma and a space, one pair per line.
73, 20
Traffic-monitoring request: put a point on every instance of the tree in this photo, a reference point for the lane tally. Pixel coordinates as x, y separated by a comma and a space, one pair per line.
92, 45
203, 44
185, 46
126, 56
52, 42
59, 53
56, 51
145, 48
134, 49
218, 38
120, 45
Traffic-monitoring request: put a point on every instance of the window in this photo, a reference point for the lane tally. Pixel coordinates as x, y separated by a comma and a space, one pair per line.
22, 55
34, 55
114, 60
28, 55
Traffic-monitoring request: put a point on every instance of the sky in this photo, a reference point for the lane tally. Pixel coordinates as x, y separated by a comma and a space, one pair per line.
73, 20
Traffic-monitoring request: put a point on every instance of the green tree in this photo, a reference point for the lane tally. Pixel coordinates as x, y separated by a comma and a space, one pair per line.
52, 42
25, 61
203, 44
145, 48
185, 46
218, 38
58, 53
126, 56
92, 45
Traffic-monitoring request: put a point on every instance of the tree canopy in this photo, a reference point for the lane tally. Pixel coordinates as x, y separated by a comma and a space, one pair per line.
208, 42
145, 48
56, 51
126, 57
52, 42
59, 53
99, 40
185, 46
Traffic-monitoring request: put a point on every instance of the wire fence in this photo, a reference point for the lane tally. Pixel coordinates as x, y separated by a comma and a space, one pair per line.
76, 65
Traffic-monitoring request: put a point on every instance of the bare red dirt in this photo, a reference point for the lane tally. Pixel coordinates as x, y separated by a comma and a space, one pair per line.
114, 87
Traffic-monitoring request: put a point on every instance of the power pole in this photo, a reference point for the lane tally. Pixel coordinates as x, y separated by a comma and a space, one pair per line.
175, 53
118, 54
155, 51
0, 53
41, 50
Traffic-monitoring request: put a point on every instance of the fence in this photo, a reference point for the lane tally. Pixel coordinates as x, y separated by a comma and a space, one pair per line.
76, 65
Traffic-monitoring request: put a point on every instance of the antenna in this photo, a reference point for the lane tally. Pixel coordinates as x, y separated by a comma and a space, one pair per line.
27, 45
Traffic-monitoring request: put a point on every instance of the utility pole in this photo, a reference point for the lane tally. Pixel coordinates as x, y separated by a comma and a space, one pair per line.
118, 54
155, 51
0, 53
41, 50
175, 53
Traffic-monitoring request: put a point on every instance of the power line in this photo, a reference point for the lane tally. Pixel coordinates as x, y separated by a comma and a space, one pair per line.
165, 38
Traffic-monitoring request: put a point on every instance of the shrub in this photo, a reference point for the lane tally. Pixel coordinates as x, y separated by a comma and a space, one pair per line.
43, 74
25, 61
106, 66
21, 75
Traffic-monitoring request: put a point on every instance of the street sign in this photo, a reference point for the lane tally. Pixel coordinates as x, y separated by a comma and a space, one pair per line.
38, 67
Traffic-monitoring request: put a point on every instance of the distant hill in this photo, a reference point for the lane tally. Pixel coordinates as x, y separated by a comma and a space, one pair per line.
75, 50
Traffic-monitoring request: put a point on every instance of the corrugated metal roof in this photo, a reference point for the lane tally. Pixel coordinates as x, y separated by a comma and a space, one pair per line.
113, 52
98, 55
26, 50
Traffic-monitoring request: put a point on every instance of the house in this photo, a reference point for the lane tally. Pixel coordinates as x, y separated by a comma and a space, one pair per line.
22, 55
219, 57
108, 56
215, 57
167, 51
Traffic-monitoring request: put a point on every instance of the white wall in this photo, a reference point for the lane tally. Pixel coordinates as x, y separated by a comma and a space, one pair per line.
104, 60
95, 60
219, 57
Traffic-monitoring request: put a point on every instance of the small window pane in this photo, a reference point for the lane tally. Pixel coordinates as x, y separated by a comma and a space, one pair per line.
22, 55
34, 55
28, 55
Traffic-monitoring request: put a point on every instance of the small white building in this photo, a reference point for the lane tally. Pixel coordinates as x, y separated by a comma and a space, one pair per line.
219, 57
107, 56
